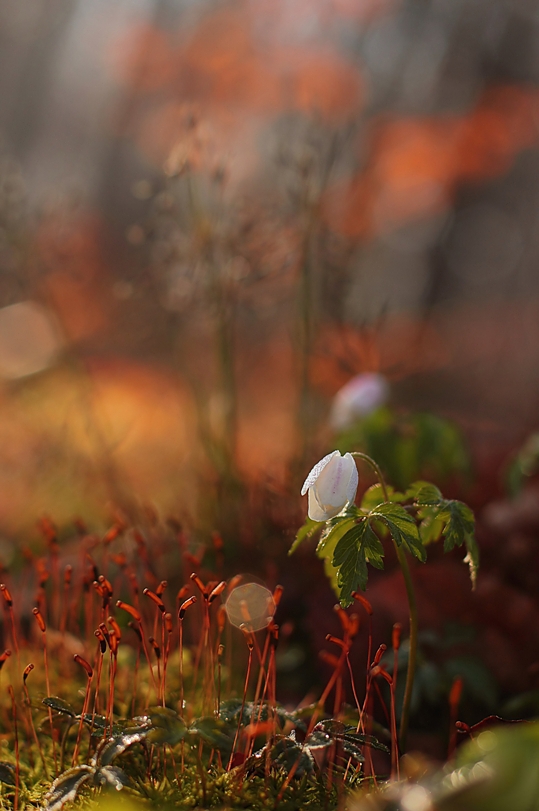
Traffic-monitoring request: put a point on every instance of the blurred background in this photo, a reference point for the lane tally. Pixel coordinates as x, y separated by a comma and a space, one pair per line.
213, 216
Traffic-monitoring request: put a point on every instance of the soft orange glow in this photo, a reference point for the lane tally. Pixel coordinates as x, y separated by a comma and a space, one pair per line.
233, 74
415, 164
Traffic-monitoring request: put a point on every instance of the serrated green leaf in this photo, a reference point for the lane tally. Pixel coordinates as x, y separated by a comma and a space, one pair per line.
331, 535
431, 525
367, 740
402, 528
306, 531
424, 494
353, 750
459, 528
318, 739
288, 754
353, 550
459, 522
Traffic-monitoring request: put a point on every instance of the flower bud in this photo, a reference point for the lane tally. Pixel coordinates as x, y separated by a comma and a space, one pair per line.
359, 397
331, 484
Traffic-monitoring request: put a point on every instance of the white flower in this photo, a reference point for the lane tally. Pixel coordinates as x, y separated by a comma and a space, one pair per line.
357, 398
332, 484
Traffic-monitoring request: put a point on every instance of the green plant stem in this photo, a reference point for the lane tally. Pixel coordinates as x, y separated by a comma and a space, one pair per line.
412, 655
412, 605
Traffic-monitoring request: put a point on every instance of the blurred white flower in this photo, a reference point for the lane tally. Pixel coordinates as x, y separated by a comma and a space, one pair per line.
357, 398
332, 484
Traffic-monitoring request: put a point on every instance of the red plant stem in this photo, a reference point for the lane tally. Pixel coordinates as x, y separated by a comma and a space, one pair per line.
180, 645
17, 759
28, 670
65, 601
396, 636
85, 706
198, 658
98, 667
43, 629
240, 717
358, 705
219, 657
135, 679
148, 659
112, 677
262, 672
167, 627
395, 768
454, 701
382, 702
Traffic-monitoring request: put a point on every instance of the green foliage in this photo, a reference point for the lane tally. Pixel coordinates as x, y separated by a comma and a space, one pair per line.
453, 520
285, 757
359, 545
306, 531
299, 757
401, 526
523, 466
413, 519
59, 705
256, 712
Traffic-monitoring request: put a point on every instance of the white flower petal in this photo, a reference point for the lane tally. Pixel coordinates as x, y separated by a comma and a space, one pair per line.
332, 484
354, 479
316, 471
315, 511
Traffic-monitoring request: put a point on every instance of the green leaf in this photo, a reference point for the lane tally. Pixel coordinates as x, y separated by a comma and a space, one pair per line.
99, 723
402, 528
306, 531
332, 534
288, 754
59, 705
318, 739
375, 496
353, 750
359, 545
431, 526
368, 740
166, 726
424, 494
229, 710
255, 712
214, 731
66, 787
459, 528
459, 522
